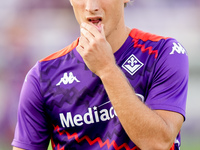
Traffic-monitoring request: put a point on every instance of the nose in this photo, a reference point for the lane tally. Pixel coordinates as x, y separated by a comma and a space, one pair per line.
92, 5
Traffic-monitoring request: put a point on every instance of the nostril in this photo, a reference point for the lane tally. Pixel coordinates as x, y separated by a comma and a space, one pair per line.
92, 10
92, 6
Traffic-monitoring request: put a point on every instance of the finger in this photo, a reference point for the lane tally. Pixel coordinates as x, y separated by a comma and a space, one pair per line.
86, 34
83, 42
103, 31
91, 28
81, 50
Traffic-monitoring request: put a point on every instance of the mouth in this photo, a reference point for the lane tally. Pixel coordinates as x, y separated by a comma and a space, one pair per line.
96, 21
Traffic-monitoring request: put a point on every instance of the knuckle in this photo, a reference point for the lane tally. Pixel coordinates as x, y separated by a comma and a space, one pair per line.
100, 38
93, 43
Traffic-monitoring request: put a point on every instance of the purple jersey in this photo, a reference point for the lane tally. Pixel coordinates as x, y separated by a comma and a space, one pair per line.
64, 101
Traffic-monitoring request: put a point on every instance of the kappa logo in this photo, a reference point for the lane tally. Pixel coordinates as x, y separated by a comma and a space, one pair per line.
178, 48
132, 64
67, 79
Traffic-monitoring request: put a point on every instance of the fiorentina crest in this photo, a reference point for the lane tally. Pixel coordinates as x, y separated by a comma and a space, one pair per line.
132, 64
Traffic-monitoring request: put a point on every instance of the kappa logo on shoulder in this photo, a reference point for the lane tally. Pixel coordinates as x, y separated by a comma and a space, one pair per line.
67, 79
132, 64
178, 49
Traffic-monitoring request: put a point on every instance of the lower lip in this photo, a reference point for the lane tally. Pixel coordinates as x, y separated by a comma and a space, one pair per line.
97, 24
96, 21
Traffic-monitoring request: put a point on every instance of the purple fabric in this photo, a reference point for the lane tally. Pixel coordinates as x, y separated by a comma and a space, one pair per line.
63, 100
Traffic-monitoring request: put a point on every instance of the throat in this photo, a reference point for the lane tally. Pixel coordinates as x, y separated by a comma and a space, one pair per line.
117, 39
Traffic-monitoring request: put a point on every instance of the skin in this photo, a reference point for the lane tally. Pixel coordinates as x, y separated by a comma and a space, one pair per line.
144, 126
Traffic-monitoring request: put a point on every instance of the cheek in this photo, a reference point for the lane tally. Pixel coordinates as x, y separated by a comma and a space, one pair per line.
78, 7
114, 18
78, 17
115, 11
79, 14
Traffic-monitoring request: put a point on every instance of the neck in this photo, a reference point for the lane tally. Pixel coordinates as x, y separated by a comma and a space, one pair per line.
118, 37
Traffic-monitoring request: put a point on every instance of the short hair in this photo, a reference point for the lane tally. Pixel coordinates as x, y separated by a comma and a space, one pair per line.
130, 2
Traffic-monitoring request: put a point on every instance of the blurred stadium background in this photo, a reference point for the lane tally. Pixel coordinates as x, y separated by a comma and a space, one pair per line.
31, 30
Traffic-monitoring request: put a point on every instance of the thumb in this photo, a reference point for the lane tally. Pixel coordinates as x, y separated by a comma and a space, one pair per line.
102, 30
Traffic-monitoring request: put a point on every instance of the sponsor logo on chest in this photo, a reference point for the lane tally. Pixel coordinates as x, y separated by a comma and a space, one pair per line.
93, 115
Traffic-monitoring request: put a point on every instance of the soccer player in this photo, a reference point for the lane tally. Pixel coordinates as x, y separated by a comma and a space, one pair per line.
113, 88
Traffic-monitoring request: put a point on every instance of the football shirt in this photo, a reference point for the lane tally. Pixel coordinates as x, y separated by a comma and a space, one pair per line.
62, 100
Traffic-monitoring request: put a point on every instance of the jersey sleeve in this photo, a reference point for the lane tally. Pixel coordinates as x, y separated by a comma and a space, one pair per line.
168, 90
31, 131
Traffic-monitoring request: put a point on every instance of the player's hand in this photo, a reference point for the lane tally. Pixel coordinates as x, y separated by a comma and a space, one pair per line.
94, 49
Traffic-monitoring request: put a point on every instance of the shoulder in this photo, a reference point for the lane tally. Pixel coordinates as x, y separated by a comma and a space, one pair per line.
146, 36
156, 44
53, 61
62, 52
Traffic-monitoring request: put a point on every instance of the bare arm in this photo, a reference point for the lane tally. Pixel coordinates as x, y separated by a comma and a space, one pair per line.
148, 129
16, 148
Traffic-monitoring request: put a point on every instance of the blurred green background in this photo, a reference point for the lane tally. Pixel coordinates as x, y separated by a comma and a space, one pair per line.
31, 30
